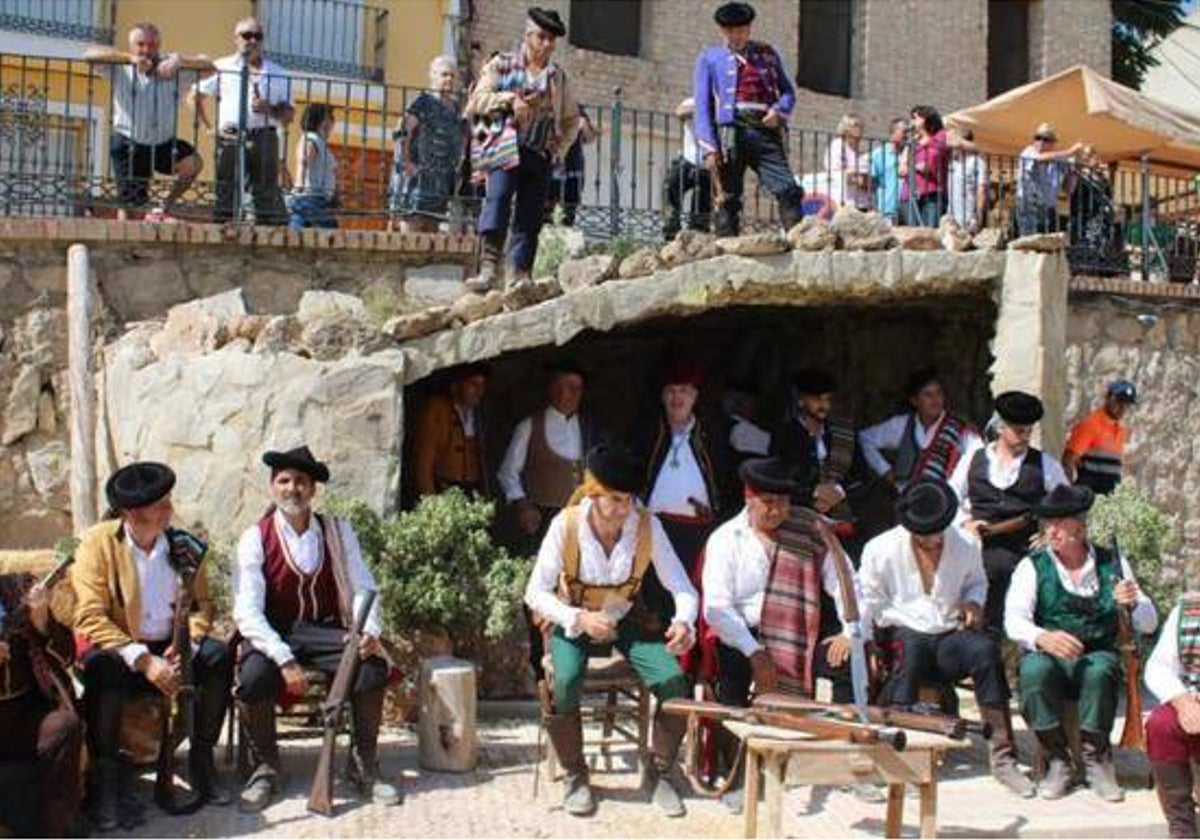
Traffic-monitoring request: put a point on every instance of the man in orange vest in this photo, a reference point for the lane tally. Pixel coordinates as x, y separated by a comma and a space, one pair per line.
1095, 451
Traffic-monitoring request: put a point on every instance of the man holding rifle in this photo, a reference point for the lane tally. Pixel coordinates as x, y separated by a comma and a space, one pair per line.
126, 581
998, 486
924, 580
298, 579
1062, 609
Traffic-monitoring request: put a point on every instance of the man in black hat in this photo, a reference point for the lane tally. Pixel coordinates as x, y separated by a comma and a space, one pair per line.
1062, 610
587, 583
126, 581
1095, 450
300, 577
932, 620
527, 93
743, 100
998, 485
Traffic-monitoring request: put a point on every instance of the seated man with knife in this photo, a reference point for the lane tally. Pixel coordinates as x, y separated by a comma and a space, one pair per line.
924, 581
299, 578
1062, 609
762, 598
587, 582
998, 486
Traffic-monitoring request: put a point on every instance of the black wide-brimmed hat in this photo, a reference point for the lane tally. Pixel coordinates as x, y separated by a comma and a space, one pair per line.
139, 484
814, 381
300, 458
566, 365
927, 506
548, 20
1019, 408
918, 379
1065, 502
768, 475
615, 467
734, 14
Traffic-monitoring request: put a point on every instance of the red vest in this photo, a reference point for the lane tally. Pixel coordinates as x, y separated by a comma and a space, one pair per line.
292, 595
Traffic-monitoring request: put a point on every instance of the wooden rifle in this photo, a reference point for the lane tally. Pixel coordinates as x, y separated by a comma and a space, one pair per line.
821, 728
179, 717
1133, 735
916, 718
320, 798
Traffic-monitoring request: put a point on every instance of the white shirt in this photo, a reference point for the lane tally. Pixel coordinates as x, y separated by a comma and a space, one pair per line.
307, 551
1163, 668
679, 478
271, 81
893, 594
966, 172
600, 569
467, 418
158, 586
1001, 477
1022, 598
890, 435
563, 436
691, 151
145, 107
842, 164
736, 569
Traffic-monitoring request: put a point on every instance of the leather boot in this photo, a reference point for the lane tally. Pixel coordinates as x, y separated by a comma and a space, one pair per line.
1173, 783
1056, 782
492, 251
790, 211
131, 811
1003, 751
104, 795
258, 727
566, 736
1098, 766
205, 780
664, 747
518, 277
367, 713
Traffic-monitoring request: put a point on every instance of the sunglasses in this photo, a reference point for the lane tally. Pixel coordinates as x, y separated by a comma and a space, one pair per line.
1043, 138
250, 36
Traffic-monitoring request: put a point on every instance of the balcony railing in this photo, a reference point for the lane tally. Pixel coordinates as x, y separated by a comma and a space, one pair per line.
78, 20
345, 38
55, 159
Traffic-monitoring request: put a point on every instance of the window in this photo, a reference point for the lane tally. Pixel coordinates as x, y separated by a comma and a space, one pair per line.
608, 26
826, 46
1008, 45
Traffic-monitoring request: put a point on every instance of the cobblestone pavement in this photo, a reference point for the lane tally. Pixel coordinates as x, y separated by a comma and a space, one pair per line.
496, 800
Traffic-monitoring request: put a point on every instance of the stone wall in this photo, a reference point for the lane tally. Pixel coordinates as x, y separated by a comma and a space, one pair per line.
1154, 343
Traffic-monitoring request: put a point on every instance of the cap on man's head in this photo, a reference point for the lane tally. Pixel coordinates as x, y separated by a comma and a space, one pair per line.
300, 459
682, 372
1045, 131
1065, 502
548, 21
734, 14
1122, 390
768, 475
927, 506
814, 381
138, 484
615, 467
1019, 408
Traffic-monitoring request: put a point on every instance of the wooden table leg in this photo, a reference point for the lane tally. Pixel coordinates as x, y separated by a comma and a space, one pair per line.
895, 811
773, 769
929, 809
750, 800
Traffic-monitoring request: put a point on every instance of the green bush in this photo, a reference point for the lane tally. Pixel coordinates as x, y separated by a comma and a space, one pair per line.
1144, 534
438, 569
551, 253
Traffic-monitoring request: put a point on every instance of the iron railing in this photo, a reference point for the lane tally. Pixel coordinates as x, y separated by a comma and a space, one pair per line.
78, 20
345, 38
56, 158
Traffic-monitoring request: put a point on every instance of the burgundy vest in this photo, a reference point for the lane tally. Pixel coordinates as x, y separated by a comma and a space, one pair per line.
292, 595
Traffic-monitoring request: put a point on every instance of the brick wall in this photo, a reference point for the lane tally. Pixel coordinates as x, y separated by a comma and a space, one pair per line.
906, 52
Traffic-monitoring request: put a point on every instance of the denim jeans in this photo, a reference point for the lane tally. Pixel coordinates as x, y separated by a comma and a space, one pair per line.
309, 211
528, 183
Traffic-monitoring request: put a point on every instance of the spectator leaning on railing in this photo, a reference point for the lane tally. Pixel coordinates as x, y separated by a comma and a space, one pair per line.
145, 105
847, 166
885, 170
265, 109
687, 174
967, 181
314, 197
1041, 175
923, 192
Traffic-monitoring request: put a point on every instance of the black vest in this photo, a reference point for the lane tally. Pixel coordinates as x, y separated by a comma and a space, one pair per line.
991, 504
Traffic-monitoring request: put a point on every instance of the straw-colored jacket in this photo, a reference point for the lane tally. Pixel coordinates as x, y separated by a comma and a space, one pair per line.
108, 602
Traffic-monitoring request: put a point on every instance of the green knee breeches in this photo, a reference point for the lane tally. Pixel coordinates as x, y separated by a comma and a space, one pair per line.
1093, 679
656, 667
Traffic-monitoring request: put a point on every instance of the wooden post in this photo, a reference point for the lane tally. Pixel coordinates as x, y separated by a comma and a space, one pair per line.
81, 371
446, 735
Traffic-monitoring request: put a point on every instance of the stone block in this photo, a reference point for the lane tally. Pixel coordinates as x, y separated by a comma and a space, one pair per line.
918, 238
439, 284
812, 233
49, 468
688, 246
199, 326
574, 275
418, 324
753, 244
1046, 243
330, 306
641, 262
472, 307
530, 294
21, 410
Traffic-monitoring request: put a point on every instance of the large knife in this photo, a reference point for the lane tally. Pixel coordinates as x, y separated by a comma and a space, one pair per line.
859, 675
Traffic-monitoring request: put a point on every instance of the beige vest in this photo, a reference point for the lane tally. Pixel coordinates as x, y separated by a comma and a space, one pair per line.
590, 596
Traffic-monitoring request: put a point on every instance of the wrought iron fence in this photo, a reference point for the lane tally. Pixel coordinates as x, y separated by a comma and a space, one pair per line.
79, 20
634, 174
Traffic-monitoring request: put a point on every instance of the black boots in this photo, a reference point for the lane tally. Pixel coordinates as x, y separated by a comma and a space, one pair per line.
664, 747
258, 727
1003, 751
1173, 783
367, 712
566, 736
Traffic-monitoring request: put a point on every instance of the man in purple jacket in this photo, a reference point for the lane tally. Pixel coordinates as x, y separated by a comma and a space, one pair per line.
743, 99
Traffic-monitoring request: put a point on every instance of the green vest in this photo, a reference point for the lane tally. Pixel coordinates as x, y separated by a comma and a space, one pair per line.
1091, 620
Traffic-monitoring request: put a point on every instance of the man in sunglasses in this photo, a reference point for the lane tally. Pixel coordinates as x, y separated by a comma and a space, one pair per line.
253, 104
1042, 170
